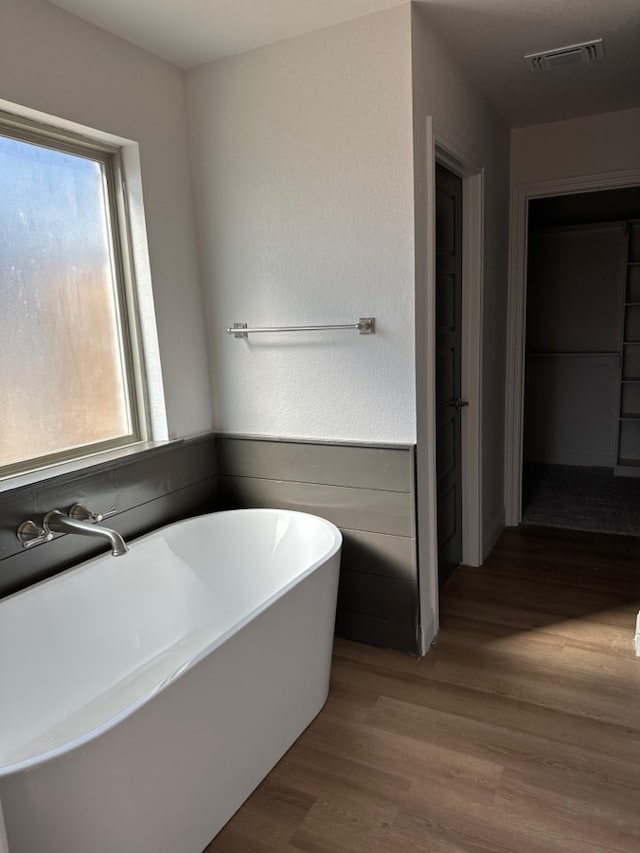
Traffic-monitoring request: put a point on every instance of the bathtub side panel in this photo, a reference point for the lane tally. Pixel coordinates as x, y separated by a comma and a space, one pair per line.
169, 776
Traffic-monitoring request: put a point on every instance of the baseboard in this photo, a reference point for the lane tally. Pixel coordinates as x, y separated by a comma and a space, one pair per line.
427, 632
493, 531
373, 631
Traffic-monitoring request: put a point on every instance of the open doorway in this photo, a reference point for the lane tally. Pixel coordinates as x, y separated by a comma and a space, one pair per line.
581, 427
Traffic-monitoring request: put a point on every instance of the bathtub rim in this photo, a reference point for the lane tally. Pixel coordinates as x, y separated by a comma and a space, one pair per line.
127, 710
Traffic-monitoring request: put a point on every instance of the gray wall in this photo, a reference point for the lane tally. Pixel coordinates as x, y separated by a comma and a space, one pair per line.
148, 489
368, 492
575, 295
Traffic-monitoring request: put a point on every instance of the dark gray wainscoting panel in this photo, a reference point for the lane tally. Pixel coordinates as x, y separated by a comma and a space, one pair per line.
368, 492
357, 509
148, 489
355, 465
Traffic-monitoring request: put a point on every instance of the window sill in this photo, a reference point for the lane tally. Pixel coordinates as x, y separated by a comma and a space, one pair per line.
94, 463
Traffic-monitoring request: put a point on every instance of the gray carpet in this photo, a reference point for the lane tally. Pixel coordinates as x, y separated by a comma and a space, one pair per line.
581, 499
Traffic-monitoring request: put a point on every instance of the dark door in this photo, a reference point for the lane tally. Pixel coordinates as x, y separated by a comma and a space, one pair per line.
448, 342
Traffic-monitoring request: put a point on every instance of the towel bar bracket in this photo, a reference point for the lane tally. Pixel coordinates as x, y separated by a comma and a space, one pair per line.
235, 330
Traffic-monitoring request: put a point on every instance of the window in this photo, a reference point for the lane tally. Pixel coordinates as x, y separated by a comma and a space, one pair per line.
69, 374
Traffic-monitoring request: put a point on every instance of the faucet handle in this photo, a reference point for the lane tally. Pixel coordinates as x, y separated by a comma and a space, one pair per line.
30, 534
81, 513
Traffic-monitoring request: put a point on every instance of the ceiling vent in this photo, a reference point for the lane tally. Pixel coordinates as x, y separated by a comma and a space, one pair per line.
572, 54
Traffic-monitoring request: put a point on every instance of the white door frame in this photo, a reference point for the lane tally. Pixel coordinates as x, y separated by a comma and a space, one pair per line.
441, 147
516, 314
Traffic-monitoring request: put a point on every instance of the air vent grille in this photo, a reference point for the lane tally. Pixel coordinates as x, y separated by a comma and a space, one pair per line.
571, 54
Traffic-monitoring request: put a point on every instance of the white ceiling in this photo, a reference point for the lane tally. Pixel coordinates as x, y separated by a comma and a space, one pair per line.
489, 38
191, 32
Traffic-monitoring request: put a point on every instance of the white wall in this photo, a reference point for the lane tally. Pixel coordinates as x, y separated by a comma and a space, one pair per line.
53, 62
460, 113
302, 169
608, 142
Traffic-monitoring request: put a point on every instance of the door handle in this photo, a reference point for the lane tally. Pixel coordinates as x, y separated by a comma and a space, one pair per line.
460, 404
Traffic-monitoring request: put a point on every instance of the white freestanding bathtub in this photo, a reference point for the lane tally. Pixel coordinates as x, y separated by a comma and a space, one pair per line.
143, 698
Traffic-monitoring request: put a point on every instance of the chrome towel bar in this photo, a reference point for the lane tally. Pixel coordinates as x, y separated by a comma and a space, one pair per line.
365, 325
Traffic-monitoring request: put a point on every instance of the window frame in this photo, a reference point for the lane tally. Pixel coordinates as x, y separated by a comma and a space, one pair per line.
125, 289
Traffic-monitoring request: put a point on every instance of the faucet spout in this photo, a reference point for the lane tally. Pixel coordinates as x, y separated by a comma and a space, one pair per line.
58, 522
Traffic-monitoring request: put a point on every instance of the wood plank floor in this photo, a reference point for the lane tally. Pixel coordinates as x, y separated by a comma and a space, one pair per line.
519, 732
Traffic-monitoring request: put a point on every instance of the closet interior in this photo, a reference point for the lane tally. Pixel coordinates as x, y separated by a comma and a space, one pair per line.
582, 367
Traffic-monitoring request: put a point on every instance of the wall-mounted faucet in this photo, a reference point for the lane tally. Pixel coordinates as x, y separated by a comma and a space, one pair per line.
79, 520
